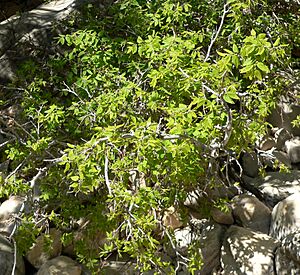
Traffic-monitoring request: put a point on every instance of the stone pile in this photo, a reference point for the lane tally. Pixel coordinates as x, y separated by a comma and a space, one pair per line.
257, 236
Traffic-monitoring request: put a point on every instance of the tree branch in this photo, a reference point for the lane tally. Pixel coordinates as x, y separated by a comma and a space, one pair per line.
213, 40
106, 175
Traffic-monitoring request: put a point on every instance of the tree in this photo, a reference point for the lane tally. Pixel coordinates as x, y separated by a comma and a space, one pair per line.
143, 102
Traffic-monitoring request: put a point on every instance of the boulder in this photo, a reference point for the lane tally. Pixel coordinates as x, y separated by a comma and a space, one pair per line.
222, 217
274, 187
267, 144
282, 158
61, 265
119, 267
207, 236
250, 212
250, 164
245, 251
293, 149
184, 237
39, 253
7, 259
290, 246
171, 218
284, 265
282, 116
221, 191
210, 242
286, 217
95, 239
281, 136
8, 210
34, 27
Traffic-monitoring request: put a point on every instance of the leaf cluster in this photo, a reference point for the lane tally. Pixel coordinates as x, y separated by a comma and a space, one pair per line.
148, 101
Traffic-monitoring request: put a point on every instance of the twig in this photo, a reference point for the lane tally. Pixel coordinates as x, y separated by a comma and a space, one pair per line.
68, 89
213, 40
210, 90
106, 175
19, 125
37, 176
7, 134
228, 126
16, 170
6, 142
15, 223
15, 258
55, 160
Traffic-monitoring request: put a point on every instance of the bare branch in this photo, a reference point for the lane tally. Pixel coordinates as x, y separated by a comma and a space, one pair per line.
37, 176
15, 258
228, 126
213, 40
16, 170
106, 175
6, 142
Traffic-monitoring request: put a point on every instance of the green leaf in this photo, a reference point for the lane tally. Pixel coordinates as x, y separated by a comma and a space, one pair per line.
228, 51
228, 99
235, 48
262, 67
235, 60
276, 43
258, 75
247, 62
246, 69
221, 54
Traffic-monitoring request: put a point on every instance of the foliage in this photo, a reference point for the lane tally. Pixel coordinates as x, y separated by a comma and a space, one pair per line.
143, 102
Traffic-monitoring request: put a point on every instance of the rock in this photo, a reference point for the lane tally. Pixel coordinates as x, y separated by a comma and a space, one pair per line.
222, 217
274, 187
250, 164
118, 267
267, 144
61, 265
171, 218
285, 112
282, 158
211, 237
195, 199
206, 236
191, 200
7, 259
274, 158
33, 27
8, 210
247, 252
286, 217
290, 246
220, 191
250, 212
94, 241
184, 238
39, 254
293, 149
281, 136
285, 265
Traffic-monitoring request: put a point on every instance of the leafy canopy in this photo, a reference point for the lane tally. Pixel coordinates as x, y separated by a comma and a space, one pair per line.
143, 102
